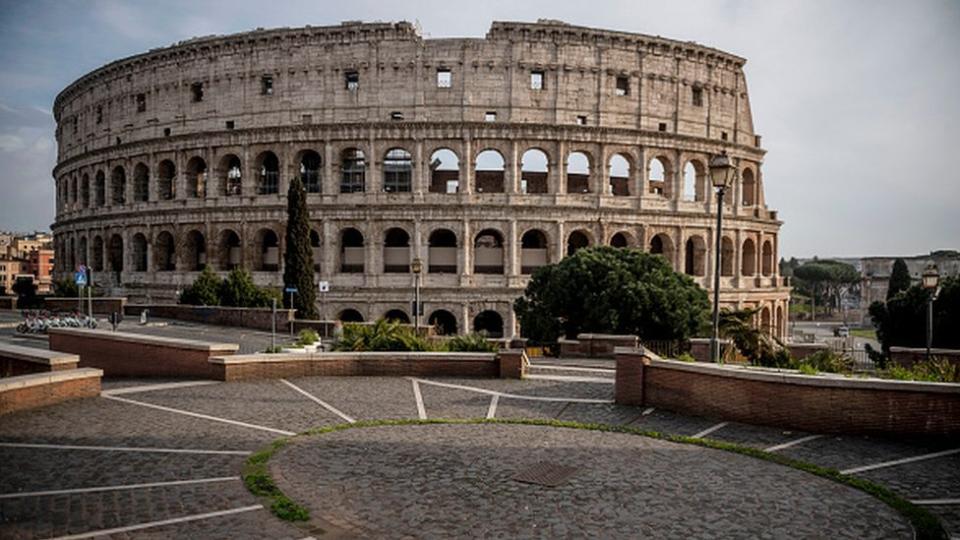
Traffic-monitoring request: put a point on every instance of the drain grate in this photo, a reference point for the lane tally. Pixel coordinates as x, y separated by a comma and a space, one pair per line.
545, 474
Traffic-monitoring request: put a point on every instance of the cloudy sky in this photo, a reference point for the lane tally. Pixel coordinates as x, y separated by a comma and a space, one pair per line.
858, 102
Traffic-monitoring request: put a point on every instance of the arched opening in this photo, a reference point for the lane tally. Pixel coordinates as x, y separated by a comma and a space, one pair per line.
619, 176
396, 251
85, 191
71, 251
694, 181
748, 258
694, 260
766, 258
196, 251
268, 165
488, 252
397, 171
442, 253
444, 323
115, 255
197, 177
533, 251
490, 172
166, 186
97, 254
73, 191
141, 183
661, 244
310, 167
164, 253
659, 174
578, 173
268, 251
350, 316
765, 321
397, 315
726, 256
351, 251
534, 171
231, 254
316, 249
118, 185
444, 171
748, 186
100, 189
778, 330
619, 240
488, 324
82, 251
577, 241
230, 171
353, 171
139, 246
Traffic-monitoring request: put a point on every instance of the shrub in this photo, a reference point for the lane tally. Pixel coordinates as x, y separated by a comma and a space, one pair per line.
686, 357
238, 290
66, 288
806, 369
273, 349
933, 370
307, 337
828, 361
469, 343
382, 335
205, 290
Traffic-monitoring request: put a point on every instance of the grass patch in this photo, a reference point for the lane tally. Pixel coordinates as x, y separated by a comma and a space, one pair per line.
257, 479
866, 333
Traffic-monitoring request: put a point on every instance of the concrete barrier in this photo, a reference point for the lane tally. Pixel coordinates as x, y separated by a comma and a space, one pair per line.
595, 345
16, 360
785, 399
121, 354
41, 389
257, 318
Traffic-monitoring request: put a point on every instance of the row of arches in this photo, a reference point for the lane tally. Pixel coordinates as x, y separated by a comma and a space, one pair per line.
228, 176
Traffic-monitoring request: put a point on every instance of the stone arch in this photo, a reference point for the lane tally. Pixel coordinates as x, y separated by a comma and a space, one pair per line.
766, 258
442, 252
310, 169
85, 191
267, 252
230, 173
197, 177
82, 250
662, 244
576, 241
350, 315
444, 171
727, 256
490, 171
267, 165
115, 253
164, 252
779, 329
488, 323
397, 315
396, 250
694, 181
73, 191
534, 251
534, 171
118, 185
748, 187
619, 172
621, 239
100, 189
444, 322
353, 171
695, 255
230, 249
166, 180
72, 252
351, 251
98, 251
659, 174
195, 251
316, 249
765, 320
139, 248
748, 258
578, 172
141, 183
397, 171
488, 252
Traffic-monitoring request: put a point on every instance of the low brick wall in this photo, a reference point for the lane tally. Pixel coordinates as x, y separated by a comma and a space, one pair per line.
700, 349
799, 351
908, 356
506, 364
788, 400
101, 305
41, 389
595, 345
258, 318
121, 354
8, 302
16, 360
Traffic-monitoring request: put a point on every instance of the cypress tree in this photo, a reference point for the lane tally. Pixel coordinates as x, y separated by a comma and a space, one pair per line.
298, 258
899, 278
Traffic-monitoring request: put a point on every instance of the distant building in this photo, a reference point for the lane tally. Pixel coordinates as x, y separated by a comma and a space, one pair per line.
26, 255
10, 269
40, 265
876, 272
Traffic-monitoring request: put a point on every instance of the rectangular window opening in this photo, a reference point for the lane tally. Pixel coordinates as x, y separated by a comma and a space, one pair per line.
663, 126
230, 124
166, 132
581, 120
396, 115
141, 103
444, 78
623, 86
537, 81
196, 92
266, 85
697, 96
723, 135
352, 79
99, 114
490, 116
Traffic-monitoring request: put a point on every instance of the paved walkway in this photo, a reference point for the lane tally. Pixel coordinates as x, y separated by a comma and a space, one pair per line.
162, 458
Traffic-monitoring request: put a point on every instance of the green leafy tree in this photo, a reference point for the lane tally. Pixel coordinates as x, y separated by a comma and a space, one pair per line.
239, 290
902, 320
899, 278
66, 288
205, 290
298, 258
615, 291
26, 291
759, 348
826, 280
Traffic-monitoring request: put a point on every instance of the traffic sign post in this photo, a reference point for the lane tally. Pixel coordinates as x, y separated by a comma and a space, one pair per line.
291, 291
80, 278
324, 288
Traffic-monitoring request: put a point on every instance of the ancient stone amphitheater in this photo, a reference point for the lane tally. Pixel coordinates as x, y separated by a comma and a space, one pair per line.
483, 158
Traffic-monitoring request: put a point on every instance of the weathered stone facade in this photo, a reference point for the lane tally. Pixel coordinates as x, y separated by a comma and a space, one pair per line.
181, 157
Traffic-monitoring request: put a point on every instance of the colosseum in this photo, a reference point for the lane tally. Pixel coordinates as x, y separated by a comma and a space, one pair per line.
482, 158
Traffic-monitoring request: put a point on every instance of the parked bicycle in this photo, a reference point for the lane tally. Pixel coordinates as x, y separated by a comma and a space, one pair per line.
39, 321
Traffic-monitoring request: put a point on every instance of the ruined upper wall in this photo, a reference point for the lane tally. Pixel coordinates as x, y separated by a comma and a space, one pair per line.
397, 72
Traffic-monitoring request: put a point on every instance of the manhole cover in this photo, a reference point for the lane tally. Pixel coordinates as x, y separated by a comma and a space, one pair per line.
545, 474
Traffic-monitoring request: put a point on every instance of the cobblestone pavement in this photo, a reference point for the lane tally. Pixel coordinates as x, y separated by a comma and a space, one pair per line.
165, 462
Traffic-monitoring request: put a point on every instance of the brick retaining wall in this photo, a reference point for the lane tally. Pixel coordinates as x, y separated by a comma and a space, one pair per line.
258, 318
908, 356
41, 389
595, 345
101, 305
788, 400
16, 360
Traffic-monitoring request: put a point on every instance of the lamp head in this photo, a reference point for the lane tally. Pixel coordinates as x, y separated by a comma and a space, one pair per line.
931, 277
721, 171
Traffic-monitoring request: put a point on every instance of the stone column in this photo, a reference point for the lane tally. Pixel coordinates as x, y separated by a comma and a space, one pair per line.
557, 167
329, 184
467, 167
512, 169
512, 266
466, 253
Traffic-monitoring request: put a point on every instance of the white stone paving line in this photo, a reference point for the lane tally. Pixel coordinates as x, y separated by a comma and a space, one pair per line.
570, 378
790, 444
710, 430
125, 449
204, 416
572, 368
319, 401
492, 411
511, 396
421, 410
151, 387
161, 523
936, 502
896, 462
120, 487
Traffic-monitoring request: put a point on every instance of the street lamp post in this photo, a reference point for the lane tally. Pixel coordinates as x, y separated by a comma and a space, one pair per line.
721, 175
416, 266
930, 282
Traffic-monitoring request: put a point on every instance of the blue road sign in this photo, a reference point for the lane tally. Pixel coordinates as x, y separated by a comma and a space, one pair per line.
80, 278
290, 290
